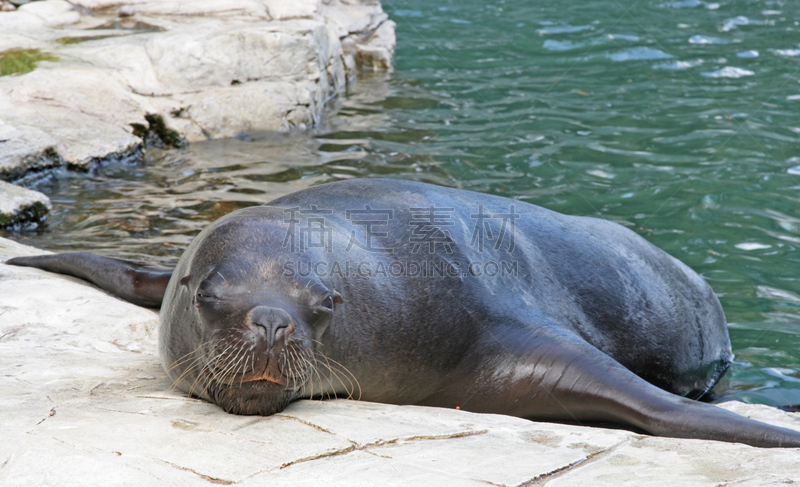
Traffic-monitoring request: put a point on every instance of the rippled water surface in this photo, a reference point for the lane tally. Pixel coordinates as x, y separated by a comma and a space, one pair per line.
677, 119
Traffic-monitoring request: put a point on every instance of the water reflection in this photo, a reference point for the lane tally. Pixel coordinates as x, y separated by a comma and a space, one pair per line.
150, 209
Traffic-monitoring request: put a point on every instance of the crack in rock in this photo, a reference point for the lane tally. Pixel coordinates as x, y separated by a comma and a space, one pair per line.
545, 477
97, 386
341, 451
387, 457
213, 480
356, 447
307, 423
11, 333
445, 436
109, 410
554, 473
50, 415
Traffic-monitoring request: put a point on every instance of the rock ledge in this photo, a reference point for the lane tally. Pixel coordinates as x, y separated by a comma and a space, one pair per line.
18, 205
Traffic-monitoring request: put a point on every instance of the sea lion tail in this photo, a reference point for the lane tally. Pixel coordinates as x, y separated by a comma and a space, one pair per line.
135, 282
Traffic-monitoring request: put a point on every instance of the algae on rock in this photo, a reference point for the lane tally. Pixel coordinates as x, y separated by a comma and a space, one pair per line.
21, 61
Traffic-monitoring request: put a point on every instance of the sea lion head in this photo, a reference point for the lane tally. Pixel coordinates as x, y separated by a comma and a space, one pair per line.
236, 329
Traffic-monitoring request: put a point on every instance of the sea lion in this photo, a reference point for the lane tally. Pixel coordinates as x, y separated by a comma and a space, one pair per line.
407, 293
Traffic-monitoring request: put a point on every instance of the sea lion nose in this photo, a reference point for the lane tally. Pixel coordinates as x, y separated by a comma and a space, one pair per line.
274, 321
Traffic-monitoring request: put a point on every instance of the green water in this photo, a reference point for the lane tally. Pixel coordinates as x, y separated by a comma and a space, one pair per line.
676, 119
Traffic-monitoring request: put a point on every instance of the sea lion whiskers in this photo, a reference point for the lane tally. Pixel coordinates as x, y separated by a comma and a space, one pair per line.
247, 356
310, 381
292, 373
337, 372
310, 369
204, 373
182, 360
343, 370
186, 373
319, 379
203, 370
221, 360
234, 368
244, 370
290, 376
313, 372
214, 357
294, 364
206, 369
229, 365
328, 377
189, 368
295, 374
212, 375
310, 394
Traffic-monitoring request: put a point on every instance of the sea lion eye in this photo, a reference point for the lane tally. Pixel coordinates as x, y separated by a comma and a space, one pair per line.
328, 302
204, 295
200, 298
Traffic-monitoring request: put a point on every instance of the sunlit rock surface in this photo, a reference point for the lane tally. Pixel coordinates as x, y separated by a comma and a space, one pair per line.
167, 72
175, 71
83, 401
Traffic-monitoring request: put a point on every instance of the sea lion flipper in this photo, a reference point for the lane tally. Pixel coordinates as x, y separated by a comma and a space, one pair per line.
132, 281
555, 375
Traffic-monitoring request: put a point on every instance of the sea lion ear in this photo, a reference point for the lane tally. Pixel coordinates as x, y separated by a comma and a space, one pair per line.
185, 280
337, 298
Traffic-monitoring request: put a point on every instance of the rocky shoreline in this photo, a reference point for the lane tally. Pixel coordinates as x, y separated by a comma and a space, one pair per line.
117, 76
